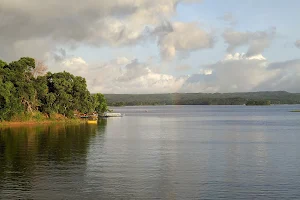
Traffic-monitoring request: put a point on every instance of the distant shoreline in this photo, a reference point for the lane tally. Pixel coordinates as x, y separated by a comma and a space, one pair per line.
277, 97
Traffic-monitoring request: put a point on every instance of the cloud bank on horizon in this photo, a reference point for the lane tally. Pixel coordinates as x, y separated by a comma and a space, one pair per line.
157, 46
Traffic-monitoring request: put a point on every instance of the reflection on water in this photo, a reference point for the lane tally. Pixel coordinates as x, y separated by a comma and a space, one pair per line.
43, 161
169, 152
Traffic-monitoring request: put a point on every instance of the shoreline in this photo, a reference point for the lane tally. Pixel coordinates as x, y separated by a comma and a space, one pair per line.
36, 123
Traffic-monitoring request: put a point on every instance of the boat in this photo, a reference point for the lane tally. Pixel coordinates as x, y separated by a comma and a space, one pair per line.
93, 119
90, 121
107, 114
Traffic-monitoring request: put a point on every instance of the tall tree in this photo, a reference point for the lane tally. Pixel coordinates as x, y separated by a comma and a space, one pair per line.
20, 75
100, 103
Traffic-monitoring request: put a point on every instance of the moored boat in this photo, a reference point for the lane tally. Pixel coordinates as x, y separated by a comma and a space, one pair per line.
107, 114
90, 121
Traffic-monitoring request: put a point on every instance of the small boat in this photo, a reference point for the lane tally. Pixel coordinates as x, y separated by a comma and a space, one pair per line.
107, 114
92, 121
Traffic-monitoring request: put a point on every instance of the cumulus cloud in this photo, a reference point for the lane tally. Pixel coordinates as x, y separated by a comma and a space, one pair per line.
122, 75
257, 42
42, 26
297, 44
287, 76
242, 56
235, 73
240, 73
75, 65
183, 37
134, 77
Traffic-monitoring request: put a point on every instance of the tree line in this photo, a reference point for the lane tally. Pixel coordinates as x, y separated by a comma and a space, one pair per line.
26, 88
258, 103
254, 98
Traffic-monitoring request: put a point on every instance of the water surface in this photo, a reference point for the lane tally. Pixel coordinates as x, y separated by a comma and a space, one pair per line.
162, 152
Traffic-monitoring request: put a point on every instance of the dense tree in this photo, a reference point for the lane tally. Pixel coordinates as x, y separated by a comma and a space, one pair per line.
24, 89
2, 63
100, 103
9, 103
258, 103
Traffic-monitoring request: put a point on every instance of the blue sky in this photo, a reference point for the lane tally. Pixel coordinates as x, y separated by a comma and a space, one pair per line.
108, 40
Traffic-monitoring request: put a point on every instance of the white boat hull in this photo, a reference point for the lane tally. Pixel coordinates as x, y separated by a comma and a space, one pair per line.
112, 115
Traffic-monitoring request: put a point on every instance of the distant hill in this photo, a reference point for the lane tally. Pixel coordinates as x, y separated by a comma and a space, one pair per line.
277, 97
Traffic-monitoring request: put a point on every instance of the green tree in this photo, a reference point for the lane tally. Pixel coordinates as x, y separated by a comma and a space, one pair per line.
2, 63
26, 90
100, 103
9, 103
82, 97
19, 73
68, 93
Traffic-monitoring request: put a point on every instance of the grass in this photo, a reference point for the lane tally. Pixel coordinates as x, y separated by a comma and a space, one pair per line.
37, 118
295, 111
45, 122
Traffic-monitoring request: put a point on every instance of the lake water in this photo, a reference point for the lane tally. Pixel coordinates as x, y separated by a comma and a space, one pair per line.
162, 152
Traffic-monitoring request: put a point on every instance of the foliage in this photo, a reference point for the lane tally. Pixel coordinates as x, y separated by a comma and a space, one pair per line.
2, 63
24, 90
258, 103
100, 103
277, 97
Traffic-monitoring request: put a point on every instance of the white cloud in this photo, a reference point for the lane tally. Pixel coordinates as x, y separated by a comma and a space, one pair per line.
123, 77
206, 71
75, 65
243, 56
134, 79
239, 73
235, 73
287, 76
257, 42
122, 61
98, 23
184, 37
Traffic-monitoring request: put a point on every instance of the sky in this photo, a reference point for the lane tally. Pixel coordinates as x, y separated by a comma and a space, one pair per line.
159, 46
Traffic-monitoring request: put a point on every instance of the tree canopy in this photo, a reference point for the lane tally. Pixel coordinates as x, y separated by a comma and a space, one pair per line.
23, 89
274, 97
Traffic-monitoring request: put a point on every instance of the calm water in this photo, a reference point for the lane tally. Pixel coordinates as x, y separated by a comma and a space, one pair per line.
163, 152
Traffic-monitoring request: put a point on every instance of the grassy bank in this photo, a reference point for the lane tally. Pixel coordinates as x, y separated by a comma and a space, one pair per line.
46, 122
37, 118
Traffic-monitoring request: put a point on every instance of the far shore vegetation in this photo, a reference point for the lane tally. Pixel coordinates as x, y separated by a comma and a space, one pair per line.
258, 103
246, 98
29, 94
